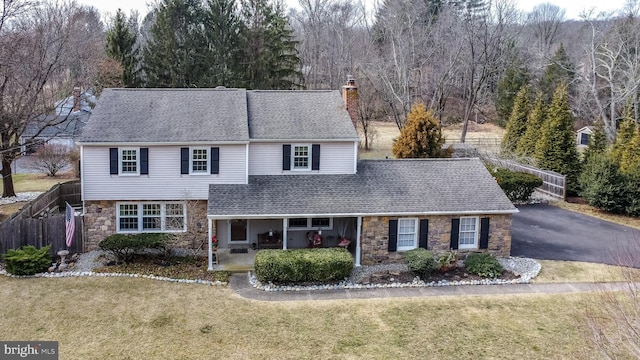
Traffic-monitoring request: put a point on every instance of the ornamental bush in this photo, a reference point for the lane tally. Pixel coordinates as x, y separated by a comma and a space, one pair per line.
123, 246
421, 262
303, 265
518, 186
27, 260
484, 265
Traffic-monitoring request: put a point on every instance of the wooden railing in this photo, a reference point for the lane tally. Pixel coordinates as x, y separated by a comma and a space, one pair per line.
553, 183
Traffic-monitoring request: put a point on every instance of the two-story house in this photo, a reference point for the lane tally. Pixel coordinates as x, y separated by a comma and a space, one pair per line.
275, 169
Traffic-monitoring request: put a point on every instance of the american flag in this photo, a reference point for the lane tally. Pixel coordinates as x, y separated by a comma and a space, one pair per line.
70, 224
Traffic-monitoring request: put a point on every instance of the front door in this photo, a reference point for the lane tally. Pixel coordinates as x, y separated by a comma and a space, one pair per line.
239, 230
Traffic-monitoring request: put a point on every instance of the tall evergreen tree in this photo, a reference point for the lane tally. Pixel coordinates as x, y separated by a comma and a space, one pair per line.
535, 121
271, 56
177, 53
556, 148
511, 82
421, 136
224, 32
121, 46
560, 70
625, 133
597, 141
517, 124
631, 154
601, 183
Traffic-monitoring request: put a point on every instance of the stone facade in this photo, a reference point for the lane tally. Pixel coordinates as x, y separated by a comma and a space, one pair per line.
375, 237
100, 222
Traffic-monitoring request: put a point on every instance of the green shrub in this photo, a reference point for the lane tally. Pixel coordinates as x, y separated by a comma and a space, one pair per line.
421, 262
27, 260
303, 265
447, 260
484, 265
123, 246
602, 185
518, 186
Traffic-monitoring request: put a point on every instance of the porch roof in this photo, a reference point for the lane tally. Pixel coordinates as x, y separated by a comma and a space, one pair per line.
381, 187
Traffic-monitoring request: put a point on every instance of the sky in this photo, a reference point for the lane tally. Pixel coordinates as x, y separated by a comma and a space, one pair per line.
573, 7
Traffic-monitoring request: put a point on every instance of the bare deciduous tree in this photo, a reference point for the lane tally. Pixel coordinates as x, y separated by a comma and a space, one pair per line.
50, 159
546, 19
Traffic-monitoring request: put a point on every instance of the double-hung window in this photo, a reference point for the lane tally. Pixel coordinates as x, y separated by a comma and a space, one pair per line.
129, 161
199, 160
468, 233
407, 234
300, 158
151, 217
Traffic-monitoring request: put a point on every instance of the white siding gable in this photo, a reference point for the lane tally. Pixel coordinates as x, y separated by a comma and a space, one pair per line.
164, 181
335, 158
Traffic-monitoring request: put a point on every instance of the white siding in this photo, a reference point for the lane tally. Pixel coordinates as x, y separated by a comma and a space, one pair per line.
335, 158
164, 181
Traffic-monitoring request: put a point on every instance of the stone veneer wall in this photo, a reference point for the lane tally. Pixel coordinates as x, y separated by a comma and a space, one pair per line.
100, 222
375, 237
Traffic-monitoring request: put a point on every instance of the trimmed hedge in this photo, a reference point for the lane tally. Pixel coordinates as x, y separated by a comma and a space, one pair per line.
518, 186
303, 265
485, 265
421, 262
27, 260
123, 246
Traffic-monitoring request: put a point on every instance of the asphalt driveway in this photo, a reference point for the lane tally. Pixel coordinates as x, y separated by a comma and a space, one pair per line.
546, 232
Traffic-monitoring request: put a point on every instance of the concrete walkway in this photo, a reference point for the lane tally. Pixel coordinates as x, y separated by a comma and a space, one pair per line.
240, 284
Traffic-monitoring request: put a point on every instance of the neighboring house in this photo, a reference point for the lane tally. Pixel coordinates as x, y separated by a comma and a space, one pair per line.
63, 126
583, 136
275, 169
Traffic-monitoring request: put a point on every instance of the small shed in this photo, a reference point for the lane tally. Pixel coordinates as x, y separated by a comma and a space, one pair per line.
583, 136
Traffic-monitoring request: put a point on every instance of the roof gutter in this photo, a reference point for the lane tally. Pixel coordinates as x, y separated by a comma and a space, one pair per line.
430, 213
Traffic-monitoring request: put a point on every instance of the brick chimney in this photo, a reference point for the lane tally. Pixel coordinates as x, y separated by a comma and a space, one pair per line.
76, 98
350, 98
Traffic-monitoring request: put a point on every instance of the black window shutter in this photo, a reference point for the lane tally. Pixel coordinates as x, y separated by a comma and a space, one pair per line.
184, 160
455, 230
424, 233
144, 161
215, 160
315, 157
113, 161
393, 235
286, 157
484, 233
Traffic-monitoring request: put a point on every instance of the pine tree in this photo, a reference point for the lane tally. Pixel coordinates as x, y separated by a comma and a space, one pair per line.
556, 148
511, 82
421, 136
631, 153
560, 70
121, 46
535, 121
271, 57
177, 53
597, 141
625, 133
601, 183
224, 32
517, 124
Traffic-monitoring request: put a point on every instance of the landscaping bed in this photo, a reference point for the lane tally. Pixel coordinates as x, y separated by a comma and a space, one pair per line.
454, 274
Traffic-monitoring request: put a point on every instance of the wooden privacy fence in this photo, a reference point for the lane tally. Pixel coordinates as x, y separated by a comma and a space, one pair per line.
553, 183
42, 221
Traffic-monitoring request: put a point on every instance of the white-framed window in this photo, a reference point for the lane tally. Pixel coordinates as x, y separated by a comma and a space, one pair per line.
129, 161
199, 160
319, 223
301, 157
407, 234
468, 233
134, 217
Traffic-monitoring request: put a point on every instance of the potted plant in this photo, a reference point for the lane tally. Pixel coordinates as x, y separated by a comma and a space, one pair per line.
214, 243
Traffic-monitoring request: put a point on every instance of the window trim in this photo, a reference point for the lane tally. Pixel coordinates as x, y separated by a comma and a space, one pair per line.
310, 222
140, 217
293, 157
206, 161
121, 162
415, 235
476, 236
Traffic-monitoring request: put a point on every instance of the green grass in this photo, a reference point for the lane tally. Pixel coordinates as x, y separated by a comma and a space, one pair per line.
119, 318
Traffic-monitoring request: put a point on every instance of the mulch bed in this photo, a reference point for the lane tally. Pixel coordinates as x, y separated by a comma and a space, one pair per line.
455, 274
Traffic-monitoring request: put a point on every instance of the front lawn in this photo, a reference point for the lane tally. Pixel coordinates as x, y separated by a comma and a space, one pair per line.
135, 318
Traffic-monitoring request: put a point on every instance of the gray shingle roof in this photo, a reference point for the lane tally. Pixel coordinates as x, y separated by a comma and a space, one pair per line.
380, 187
58, 126
298, 115
168, 115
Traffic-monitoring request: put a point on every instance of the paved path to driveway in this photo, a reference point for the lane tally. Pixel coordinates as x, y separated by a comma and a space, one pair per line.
547, 232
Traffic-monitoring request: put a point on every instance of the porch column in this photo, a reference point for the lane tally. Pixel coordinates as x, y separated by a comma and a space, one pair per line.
210, 223
358, 235
284, 233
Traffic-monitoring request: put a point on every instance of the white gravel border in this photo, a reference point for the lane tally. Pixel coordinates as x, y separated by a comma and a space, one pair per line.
526, 268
